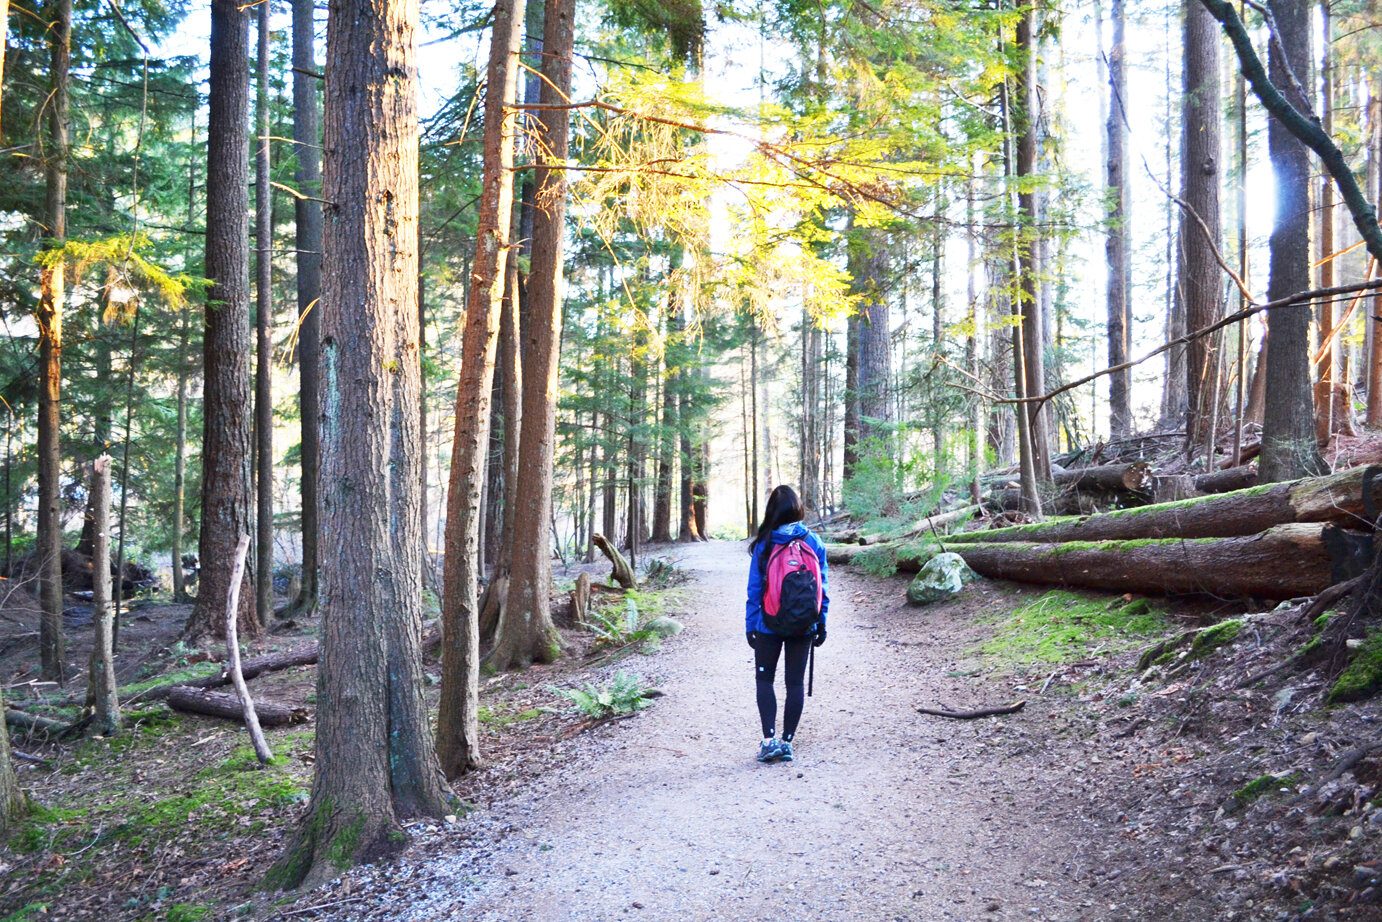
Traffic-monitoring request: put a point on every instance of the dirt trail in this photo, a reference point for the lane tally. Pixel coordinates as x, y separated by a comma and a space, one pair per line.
884, 815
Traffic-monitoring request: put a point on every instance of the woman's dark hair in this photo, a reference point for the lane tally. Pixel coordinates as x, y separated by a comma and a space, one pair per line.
784, 507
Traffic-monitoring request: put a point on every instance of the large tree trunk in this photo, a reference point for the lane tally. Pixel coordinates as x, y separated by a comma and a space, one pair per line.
1117, 245
101, 699
264, 347
51, 642
501, 470
227, 498
308, 229
180, 459
527, 634
1030, 309
374, 764
687, 530
851, 398
1338, 498
1373, 352
1281, 563
667, 430
869, 272
458, 722
1200, 283
1288, 431
810, 414
1324, 408
12, 802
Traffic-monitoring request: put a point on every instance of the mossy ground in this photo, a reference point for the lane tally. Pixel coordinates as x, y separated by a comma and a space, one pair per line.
1062, 626
1264, 785
138, 797
1362, 677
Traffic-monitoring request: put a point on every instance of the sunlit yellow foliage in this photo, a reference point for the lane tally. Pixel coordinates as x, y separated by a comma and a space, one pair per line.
129, 270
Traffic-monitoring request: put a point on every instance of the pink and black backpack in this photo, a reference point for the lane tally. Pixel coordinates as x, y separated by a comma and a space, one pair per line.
792, 590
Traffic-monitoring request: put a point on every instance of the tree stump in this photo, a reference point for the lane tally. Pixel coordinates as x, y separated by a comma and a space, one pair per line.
580, 600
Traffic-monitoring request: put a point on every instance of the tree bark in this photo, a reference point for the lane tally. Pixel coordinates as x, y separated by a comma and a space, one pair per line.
180, 459
851, 398
374, 766
667, 430
1117, 243
458, 722
527, 634
12, 802
1200, 284
264, 347
102, 701
1324, 408
1373, 374
51, 642
1030, 309
227, 497
308, 231
1288, 432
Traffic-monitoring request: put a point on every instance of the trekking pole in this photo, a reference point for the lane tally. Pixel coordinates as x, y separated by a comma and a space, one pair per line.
811, 680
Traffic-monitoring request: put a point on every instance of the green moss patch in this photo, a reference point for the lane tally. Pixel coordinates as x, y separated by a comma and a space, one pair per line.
1215, 636
1258, 787
503, 714
1063, 625
1363, 677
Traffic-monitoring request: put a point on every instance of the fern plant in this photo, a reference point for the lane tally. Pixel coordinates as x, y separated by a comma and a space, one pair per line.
623, 695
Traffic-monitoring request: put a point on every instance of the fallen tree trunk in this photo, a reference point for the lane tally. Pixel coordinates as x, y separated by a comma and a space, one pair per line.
1337, 498
1134, 478
273, 662
1242, 477
1282, 562
219, 704
940, 520
32, 723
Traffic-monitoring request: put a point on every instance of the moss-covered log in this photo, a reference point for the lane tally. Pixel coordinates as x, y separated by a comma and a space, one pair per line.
1282, 562
1337, 499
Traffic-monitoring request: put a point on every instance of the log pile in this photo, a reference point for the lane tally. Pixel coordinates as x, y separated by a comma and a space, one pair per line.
1275, 541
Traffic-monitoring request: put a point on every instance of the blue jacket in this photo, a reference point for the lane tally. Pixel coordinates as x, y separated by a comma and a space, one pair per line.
753, 608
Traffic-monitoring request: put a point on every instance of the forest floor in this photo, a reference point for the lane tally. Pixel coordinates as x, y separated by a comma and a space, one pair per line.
1115, 794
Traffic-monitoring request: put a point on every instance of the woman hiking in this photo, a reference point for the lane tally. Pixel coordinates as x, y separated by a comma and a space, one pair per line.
785, 610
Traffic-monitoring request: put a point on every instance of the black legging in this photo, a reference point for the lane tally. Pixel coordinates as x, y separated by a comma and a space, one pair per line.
765, 654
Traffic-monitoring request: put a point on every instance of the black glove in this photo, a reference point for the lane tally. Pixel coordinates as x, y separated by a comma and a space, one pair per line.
820, 637
752, 638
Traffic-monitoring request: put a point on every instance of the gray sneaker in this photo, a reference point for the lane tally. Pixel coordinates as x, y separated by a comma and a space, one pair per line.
771, 750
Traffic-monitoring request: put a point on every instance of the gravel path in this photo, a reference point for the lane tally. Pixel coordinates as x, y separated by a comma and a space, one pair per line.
885, 815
